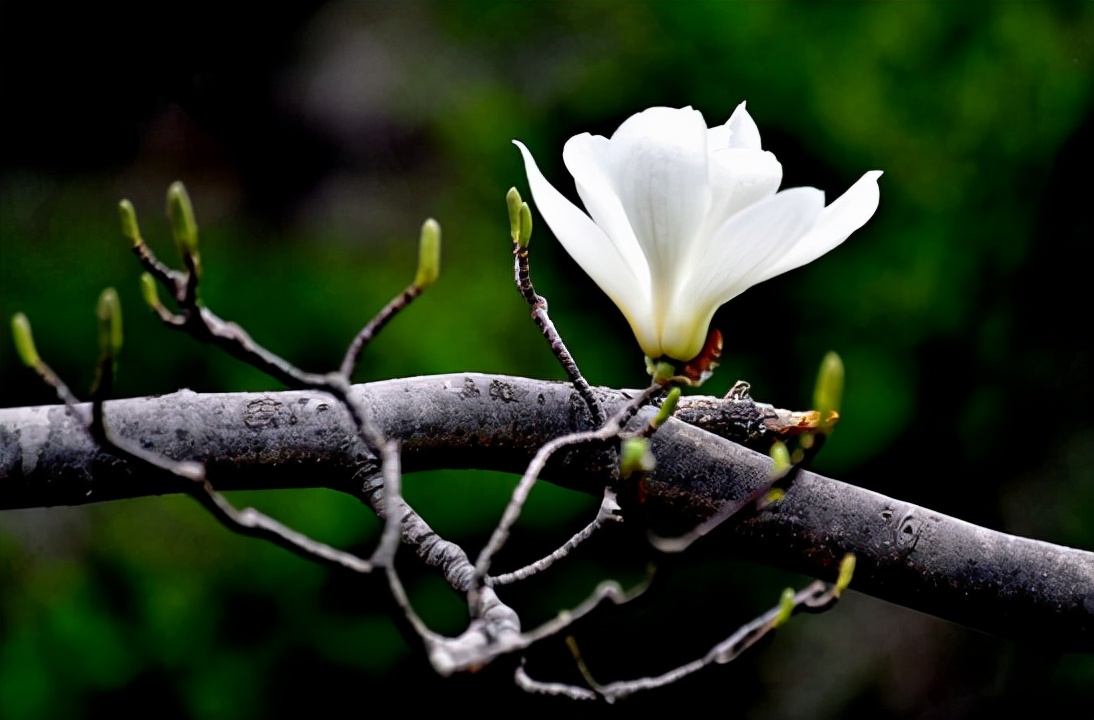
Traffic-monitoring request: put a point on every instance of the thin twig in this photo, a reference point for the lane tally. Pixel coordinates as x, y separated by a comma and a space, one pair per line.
173, 280
726, 511
255, 523
608, 512
493, 632
609, 590
391, 537
538, 687
538, 305
64, 394
816, 597
608, 431
804, 455
204, 325
374, 326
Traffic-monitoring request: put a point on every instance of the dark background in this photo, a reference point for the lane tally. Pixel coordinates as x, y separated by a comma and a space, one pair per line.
315, 140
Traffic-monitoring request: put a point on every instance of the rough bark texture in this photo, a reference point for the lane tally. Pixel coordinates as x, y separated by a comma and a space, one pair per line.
1011, 586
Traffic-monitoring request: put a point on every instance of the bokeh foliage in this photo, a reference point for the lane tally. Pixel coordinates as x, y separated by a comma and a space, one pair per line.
314, 148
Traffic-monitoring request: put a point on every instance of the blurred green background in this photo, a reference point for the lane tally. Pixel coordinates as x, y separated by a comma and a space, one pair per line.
315, 140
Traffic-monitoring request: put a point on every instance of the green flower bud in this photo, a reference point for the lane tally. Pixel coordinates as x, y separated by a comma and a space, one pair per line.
429, 255
828, 393
24, 341
780, 455
525, 225
184, 228
786, 607
128, 216
668, 407
109, 311
635, 456
846, 571
150, 292
773, 496
513, 203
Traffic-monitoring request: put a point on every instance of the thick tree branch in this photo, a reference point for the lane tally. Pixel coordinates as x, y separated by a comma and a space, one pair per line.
1011, 586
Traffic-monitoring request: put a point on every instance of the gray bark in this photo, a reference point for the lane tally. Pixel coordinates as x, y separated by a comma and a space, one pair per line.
1011, 586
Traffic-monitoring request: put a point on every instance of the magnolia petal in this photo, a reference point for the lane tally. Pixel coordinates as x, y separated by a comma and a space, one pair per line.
753, 240
740, 252
659, 170
588, 158
739, 178
718, 138
743, 132
835, 223
594, 251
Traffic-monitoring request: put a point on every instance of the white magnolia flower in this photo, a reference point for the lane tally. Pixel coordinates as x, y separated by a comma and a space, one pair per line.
682, 218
